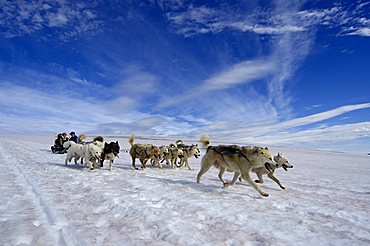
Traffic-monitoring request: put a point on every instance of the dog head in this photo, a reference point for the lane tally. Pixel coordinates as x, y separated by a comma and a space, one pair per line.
112, 147
281, 161
180, 152
260, 157
95, 151
195, 150
155, 152
164, 151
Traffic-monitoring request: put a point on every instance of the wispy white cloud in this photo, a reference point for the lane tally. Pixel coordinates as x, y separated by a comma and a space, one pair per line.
322, 137
67, 18
54, 112
253, 132
359, 31
202, 20
313, 106
241, 73
299, 132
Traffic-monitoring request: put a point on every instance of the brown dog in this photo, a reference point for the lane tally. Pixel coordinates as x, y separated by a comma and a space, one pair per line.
143, 151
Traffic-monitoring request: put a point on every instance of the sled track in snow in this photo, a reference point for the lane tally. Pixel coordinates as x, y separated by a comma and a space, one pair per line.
66, 236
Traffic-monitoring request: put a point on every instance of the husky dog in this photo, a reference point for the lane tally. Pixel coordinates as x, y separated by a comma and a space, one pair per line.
163, 153
280, 160
142, 151
90, 152
81, 138
99, 142
241, 161
189, 151
173, 153
110, 152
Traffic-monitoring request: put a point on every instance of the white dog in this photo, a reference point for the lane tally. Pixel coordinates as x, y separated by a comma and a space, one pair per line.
90, 152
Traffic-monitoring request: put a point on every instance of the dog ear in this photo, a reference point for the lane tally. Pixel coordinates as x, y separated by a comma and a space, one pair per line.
266, 148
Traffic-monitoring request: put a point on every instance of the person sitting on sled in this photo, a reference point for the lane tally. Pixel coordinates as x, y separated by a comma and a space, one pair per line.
73, 137
58, 144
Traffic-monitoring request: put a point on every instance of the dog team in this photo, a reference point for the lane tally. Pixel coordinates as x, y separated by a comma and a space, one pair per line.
242, 160
94, 152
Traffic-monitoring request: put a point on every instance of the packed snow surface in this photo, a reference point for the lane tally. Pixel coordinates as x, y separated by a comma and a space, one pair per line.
44, 202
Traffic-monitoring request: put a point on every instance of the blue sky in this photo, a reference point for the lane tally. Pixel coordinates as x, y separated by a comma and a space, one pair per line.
286, 73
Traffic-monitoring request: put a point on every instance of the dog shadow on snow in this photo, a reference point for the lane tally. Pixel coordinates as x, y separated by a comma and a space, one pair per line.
78, 167
209, 188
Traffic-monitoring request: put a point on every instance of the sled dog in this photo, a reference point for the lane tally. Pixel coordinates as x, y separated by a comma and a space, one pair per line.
110, 152
143, 151
189, 151
241, 160
281, 162
163, 153
90, 152
173, 153
81, 138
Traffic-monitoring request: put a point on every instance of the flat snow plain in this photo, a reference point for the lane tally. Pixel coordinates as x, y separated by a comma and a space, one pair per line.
44, 202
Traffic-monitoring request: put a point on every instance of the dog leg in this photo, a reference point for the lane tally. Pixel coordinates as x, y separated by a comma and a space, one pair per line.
271, 176
221, 176
110, 165
246, 176
205, 166
236, 176
260, 178
90, 164
181, 162
189, 166
133, 163
143, 163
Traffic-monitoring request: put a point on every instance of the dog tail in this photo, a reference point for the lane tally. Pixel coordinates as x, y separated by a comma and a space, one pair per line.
98, 139
179, 142
81, 138
205, 141
68, 144
132, 139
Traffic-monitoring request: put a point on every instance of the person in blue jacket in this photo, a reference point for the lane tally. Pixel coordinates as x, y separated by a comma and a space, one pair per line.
73, 137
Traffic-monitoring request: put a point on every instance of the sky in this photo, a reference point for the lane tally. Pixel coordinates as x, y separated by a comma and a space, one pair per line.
283, 73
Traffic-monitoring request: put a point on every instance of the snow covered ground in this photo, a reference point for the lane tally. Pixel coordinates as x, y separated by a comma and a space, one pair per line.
44, 202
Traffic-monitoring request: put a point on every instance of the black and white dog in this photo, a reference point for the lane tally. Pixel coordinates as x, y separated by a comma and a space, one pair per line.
110, 152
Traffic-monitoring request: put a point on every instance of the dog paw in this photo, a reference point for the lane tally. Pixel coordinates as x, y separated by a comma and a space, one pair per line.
226, 185
257, 181
282, 187
264, 194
